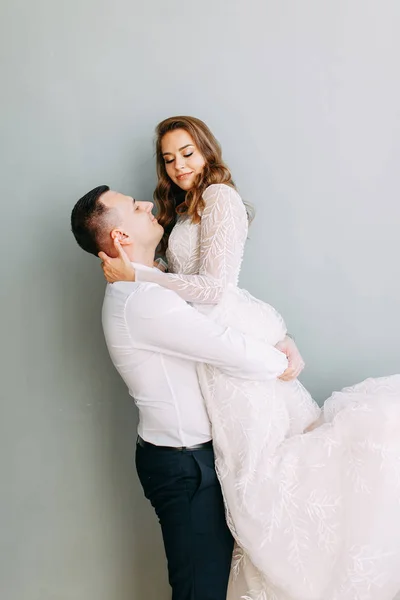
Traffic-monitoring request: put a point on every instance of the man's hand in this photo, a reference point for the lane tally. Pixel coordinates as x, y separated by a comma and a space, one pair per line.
119, 268
296, 363
315, 424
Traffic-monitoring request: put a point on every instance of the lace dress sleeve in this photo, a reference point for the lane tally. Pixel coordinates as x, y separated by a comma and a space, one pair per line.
223, 232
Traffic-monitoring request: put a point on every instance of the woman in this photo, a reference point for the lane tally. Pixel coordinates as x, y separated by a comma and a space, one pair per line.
317, 513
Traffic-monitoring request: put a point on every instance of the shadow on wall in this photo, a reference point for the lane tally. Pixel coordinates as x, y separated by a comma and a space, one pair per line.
137, 544
106, 541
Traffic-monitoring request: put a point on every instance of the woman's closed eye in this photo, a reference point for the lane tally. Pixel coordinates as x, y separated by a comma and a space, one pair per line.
171, 160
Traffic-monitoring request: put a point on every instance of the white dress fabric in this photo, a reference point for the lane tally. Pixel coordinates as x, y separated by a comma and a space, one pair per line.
316, 516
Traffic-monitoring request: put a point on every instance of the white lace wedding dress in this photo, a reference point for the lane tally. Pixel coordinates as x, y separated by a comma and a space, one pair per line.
316, 516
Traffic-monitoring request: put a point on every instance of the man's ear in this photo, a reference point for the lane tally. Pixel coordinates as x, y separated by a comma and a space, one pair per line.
120, 235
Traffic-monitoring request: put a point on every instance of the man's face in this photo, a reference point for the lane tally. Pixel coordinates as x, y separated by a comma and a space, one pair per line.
134, 221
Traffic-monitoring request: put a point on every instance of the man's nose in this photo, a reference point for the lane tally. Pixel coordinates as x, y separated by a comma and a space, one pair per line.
146, 206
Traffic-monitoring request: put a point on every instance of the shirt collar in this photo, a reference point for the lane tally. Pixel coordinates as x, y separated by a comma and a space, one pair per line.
142, 267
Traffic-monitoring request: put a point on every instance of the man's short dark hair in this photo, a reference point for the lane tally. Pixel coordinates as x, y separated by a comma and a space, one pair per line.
87, 219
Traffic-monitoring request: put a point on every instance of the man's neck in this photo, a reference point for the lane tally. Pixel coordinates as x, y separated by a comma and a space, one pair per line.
142, 256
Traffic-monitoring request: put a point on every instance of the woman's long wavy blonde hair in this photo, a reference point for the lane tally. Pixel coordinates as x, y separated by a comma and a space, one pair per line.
167, 195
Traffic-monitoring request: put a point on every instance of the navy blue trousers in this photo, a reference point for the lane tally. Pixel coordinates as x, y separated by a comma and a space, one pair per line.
184, 490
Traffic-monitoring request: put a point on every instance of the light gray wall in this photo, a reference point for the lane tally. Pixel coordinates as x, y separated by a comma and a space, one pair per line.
305, 98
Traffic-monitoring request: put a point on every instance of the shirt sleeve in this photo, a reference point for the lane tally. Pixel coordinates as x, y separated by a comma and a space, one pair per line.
158, 320
223, 233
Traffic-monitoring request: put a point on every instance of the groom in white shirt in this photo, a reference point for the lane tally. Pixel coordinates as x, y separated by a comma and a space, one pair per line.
155, 340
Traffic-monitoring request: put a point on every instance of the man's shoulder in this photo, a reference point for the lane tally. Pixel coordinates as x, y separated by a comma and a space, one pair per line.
123, 291
142, 297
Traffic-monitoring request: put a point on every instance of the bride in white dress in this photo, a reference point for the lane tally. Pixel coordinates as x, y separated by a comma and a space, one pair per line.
312, 497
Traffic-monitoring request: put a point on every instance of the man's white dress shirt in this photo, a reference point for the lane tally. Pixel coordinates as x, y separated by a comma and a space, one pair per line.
155, 340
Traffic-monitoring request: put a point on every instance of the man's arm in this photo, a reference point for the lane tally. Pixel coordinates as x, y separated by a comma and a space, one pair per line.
160, 321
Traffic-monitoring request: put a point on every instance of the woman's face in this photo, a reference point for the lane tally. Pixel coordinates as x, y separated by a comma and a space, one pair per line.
183, 160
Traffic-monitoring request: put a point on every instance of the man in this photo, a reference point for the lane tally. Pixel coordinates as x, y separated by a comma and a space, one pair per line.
155, 340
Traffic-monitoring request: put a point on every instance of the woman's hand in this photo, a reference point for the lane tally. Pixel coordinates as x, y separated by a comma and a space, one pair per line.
119, 268
296, 363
